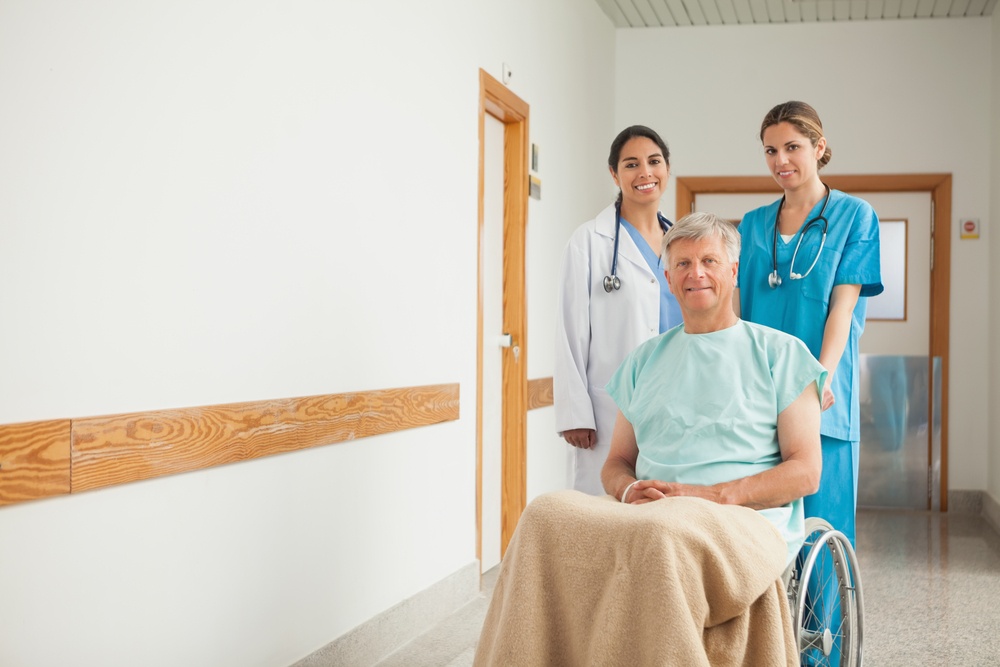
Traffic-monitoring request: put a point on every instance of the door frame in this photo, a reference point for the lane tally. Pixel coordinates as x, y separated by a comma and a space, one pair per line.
939, 188
498, 101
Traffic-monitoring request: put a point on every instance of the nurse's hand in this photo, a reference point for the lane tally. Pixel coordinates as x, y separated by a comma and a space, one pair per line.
828, 399
584, 438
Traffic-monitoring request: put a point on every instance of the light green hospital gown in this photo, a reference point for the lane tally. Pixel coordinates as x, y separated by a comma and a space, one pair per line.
705, 407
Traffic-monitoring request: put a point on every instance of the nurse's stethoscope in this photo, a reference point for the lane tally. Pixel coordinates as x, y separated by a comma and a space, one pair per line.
613, 282
773, 279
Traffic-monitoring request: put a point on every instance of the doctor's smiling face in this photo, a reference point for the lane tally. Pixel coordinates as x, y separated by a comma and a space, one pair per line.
641, 172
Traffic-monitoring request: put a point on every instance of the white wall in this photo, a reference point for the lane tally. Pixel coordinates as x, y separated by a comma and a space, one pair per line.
993, 239
207, 202
895, 97
573, 129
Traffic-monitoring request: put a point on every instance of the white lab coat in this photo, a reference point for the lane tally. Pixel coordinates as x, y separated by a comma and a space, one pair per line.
595, 330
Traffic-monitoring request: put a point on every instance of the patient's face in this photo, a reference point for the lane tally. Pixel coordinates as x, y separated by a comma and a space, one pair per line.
701, 276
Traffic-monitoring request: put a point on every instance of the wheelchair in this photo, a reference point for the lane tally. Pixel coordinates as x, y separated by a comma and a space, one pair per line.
824, 593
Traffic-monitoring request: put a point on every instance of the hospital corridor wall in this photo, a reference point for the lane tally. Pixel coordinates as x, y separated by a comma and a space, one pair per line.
993, 240
207, 204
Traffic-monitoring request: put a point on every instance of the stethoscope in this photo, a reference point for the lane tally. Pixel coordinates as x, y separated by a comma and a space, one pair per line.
613, 282
773, 279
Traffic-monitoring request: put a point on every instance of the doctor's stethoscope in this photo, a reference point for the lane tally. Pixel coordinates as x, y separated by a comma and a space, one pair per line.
773, 279
613, 282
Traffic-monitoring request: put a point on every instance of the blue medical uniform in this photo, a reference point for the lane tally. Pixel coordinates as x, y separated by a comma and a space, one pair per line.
850, 256
670, 310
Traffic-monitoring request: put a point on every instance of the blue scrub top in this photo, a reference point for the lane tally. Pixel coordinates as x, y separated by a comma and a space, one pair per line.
670, 310
850, 256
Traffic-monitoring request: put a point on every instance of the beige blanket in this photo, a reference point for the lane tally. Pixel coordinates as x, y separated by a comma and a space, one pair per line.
682, 581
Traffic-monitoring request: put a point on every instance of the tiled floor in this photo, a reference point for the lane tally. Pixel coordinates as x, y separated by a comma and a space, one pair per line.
931, 591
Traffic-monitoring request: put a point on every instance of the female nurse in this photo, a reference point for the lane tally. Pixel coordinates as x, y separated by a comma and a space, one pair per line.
613, 295
808, 261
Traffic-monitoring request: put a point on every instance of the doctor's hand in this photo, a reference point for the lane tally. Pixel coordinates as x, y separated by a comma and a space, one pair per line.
584, 438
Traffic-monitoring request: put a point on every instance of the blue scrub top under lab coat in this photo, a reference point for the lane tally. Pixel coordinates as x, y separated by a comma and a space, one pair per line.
850, 256
670, 310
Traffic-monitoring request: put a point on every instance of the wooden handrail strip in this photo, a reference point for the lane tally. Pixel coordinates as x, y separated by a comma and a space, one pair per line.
34, 460
127, 448
58, 457
539, 393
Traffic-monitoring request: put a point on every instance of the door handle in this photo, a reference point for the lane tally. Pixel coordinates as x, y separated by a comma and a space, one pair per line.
506, 340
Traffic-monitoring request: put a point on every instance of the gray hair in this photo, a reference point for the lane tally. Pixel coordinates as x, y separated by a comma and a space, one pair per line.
698, 226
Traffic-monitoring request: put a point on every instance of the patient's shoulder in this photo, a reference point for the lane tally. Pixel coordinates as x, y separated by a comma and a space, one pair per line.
770, 335
655, 346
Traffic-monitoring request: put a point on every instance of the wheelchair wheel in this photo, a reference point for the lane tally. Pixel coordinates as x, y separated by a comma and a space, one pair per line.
824, 590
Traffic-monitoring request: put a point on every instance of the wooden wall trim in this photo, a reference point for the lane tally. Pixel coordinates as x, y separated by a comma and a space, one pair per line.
690, 186
34, 460
43, 459
539, 393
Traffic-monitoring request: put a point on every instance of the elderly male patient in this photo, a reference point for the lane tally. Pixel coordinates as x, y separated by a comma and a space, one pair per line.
716, 442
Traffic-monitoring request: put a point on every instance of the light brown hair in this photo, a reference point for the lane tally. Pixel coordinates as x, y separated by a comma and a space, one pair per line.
804, 118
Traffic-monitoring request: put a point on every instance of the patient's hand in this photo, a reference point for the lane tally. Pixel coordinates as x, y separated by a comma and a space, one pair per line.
674, 489
650, 490
645, 491
584, 438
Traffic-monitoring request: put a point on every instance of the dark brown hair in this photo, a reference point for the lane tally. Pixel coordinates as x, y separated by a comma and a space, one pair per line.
625, 136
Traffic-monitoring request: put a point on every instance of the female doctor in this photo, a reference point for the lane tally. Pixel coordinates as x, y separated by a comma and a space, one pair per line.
613, 295
806, 265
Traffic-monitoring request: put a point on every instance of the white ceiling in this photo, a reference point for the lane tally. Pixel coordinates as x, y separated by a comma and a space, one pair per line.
661, 13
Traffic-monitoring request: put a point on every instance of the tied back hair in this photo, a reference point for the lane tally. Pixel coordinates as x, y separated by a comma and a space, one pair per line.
804, 118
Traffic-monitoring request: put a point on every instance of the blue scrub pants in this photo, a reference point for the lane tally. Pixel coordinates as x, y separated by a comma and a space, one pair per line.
837, 498
836, 501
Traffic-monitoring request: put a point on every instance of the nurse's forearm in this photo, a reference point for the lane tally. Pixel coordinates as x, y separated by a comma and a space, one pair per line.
838, 326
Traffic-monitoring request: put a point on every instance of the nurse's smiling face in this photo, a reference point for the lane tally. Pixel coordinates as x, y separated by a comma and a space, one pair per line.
702, 279
791, 157
642, 172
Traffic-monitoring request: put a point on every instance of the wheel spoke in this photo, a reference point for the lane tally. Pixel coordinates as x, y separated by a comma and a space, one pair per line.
827, 608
